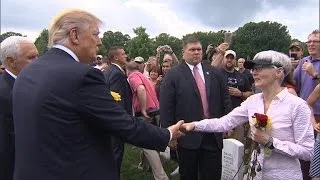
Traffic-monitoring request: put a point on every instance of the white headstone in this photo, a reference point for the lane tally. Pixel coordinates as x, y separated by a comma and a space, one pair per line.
232, 157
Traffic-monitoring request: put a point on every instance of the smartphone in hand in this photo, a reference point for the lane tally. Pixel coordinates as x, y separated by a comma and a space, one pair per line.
294, 56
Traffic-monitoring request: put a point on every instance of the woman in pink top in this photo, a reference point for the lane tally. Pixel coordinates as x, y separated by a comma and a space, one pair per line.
290, 137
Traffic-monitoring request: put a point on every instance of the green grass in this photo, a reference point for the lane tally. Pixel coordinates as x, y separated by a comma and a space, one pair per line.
131, 159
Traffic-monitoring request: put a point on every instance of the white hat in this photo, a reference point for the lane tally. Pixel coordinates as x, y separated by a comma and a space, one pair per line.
230, 52
138, 59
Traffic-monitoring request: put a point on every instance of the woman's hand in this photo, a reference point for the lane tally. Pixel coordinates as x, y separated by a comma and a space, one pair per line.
187, 127
259, 136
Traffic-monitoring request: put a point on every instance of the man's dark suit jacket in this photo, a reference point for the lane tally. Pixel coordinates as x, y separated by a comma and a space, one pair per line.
64, 116
117, 81
6, 127
180, 100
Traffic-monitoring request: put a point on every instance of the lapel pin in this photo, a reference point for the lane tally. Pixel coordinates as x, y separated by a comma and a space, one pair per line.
207, 73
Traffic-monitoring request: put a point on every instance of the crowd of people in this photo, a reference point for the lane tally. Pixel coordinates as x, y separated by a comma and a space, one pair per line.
68, 113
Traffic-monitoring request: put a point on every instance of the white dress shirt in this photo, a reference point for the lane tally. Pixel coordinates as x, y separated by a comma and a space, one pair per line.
67, 50
11, 74
199, 66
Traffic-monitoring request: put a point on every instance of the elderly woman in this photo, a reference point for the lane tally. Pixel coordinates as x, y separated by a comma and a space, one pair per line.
290, 137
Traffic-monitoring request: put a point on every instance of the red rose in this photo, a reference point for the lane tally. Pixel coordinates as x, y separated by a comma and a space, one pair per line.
262, 119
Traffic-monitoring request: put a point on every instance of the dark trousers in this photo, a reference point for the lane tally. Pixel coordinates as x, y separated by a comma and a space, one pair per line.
305, 166
199, 164
118, 151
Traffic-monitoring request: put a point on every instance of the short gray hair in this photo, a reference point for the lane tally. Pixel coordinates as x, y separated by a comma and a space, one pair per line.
276, 58
315, 32
11, 47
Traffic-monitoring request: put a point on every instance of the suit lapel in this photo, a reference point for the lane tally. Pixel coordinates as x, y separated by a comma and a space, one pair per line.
7, 77
120, 70
189, 77
128, 87
206, 74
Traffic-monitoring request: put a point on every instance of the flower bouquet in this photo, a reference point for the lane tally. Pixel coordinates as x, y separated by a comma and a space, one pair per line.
263, 122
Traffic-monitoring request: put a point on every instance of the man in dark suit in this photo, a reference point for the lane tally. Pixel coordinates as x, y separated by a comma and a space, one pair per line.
16, 53
64, 113
193, 91
117, 81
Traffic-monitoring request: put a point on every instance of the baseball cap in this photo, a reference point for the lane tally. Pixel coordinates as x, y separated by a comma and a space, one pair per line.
295, 44
230, 52
99, 56
139, 59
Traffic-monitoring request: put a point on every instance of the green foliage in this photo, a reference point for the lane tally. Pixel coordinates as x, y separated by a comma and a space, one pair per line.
173, 42
42, 41
255, 37
111, 39
141, 45
248, 40
8, 34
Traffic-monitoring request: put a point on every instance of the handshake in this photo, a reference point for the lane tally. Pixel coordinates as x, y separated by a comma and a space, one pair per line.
178, 130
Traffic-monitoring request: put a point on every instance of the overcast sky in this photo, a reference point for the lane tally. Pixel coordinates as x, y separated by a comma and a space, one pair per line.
176, 17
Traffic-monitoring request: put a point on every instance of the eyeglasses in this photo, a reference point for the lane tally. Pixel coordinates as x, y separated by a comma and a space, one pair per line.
259, 68
314, 42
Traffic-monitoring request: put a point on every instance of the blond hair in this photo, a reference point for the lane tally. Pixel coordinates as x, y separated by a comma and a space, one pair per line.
242, 59
67, 20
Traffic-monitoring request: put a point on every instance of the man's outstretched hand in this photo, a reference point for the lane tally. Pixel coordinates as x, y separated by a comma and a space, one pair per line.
187, 127
175, 130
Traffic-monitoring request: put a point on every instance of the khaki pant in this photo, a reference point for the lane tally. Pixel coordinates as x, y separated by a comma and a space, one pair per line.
155, 163
153, 159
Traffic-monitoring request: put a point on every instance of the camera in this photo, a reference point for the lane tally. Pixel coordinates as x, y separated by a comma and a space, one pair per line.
294, 56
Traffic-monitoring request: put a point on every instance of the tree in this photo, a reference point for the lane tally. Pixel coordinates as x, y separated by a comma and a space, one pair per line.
141, 45
207, 38
173, 42
110, 39
8, 34
255, 37
42, 41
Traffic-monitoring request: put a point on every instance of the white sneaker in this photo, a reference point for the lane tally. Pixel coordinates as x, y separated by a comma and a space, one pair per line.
165, 154
175, 172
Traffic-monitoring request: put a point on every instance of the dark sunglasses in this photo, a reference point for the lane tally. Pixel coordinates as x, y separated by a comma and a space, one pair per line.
261, 67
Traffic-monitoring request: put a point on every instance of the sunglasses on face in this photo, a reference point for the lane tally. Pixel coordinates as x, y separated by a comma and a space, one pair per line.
259, 68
